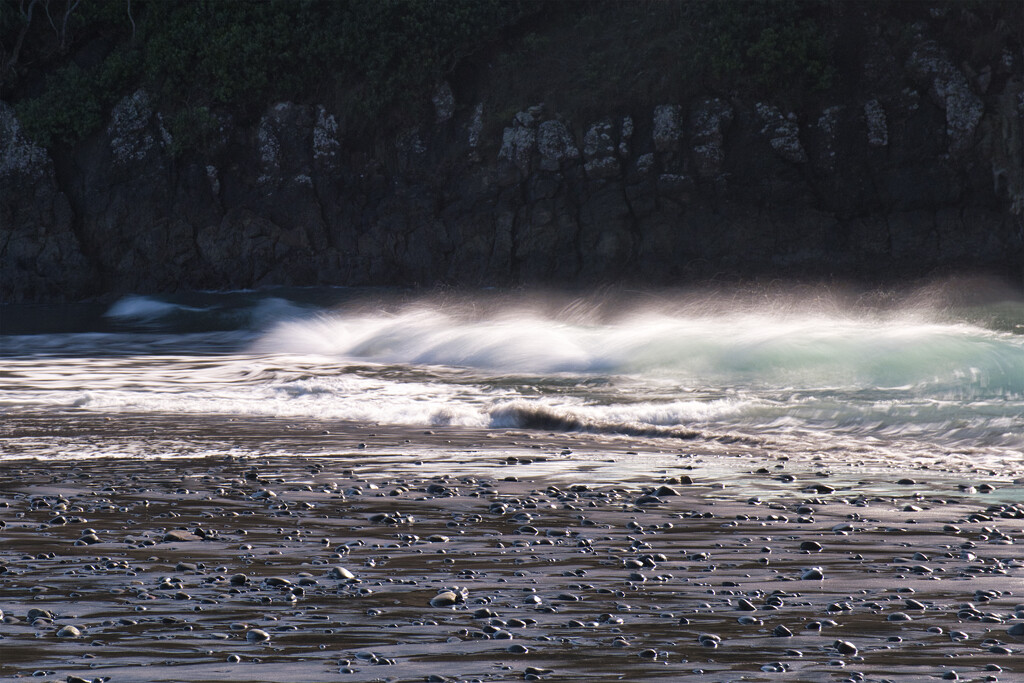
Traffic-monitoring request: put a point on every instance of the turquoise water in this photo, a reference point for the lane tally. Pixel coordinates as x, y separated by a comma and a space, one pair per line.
903, 376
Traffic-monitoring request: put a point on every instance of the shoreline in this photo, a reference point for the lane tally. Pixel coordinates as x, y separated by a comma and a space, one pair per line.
575, 565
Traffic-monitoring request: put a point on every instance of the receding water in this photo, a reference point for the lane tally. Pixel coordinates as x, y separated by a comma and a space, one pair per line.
813, 370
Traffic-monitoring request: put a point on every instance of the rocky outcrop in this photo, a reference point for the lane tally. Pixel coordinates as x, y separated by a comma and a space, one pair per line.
917, 173
41, 258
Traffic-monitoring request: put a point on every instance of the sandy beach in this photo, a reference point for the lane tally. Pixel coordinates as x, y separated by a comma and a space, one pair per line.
360, 554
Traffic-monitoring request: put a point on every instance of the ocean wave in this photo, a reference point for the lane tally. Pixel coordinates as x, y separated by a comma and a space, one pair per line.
799, 350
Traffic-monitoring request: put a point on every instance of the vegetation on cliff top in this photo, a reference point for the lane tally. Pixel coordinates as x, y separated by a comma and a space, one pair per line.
64, 63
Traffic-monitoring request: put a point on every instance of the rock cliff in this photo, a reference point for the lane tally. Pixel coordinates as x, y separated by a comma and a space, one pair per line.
917, 171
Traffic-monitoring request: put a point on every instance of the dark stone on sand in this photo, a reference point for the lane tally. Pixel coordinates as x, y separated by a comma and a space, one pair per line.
906, 482
898, 616
813, 574
238, 579
811, 546
179, 536
845, 647
782, 632
1016, 630
69, 632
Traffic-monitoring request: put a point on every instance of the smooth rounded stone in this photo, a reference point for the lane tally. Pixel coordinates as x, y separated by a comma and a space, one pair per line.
914, 604
845, 647
744, 605
1000, 650
277, 582
238, 579
88, 539
811, 546
537, 671
36, 613
899, 616
649, 653
906, 482
69, 632
179, 536
340, 573
950, 676
1016, 630
709, 640
444, 599
517, 649
256, 635
648, 500
782, 632
185, 567
813, 574
664, 491
748, 620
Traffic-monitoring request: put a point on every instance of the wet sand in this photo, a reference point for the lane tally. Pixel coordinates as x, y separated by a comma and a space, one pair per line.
328, 552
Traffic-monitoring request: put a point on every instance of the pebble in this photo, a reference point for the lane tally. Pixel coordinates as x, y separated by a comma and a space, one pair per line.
813, 574
69, 632
255, 635
444, 599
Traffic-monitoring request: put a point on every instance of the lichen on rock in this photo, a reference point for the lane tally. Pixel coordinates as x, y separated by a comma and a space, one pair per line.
949, 89
476, 126
878, 128
444, 103
129, 138
269, 149
18, 154
783, 133
599, 151
708, 121
644, 163
625, 135
325, 137
555, 143
668, 127
517, 145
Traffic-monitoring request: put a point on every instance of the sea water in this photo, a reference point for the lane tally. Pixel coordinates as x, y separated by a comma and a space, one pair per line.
806, 371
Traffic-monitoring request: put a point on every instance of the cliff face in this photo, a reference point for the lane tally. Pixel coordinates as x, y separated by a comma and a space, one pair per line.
917, 171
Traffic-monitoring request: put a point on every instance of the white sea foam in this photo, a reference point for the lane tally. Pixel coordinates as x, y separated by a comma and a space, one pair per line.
851, 378
801, 350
